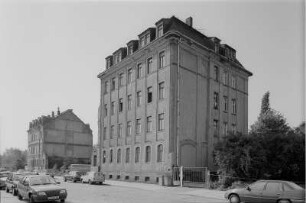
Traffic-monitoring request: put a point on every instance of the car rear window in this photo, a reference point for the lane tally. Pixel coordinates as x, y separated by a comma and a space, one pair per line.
291, 186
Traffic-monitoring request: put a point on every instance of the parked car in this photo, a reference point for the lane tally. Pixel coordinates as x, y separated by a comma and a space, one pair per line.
267, 191
73, 176
11, 182
2, 182
93, 177
40, 188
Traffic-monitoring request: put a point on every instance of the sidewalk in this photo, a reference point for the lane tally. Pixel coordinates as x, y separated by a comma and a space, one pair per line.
201, 192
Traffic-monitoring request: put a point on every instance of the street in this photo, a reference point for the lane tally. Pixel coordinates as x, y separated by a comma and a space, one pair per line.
117, 191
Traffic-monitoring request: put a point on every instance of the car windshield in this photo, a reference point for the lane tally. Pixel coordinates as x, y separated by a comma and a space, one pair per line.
294, 186
42, 180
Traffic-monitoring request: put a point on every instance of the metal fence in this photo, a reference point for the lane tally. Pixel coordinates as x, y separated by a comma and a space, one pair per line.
197, 176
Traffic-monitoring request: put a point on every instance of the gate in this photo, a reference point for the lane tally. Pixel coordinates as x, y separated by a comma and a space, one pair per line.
190, 176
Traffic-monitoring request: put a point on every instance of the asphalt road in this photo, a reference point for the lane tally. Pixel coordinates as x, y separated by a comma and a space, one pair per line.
113, 192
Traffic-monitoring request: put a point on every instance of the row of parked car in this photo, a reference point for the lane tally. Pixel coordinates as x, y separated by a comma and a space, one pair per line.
90, 177
34, 187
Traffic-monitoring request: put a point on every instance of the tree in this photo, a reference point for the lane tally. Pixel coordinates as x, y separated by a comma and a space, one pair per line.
265, 103
14, 159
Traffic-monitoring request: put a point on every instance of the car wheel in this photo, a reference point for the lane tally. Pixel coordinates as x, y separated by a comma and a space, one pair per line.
62, 200
100, 183
65, 180
283, 201
234, 198
7, 189
19, 196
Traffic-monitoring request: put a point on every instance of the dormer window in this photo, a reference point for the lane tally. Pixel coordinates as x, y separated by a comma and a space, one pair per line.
160, 30
147, 39
130, 49
142, 41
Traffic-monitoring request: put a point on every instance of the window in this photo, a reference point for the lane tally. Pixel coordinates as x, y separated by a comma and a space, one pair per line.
161, 122
129, 76
149, 123
138, 98
106, 87
120, 105
225, 128
130, 49
147, 38
149, 65
112, 132
216, 73
139, 71
129, 102
216, 100
142, 41
105, 110
234, 107
216, 127
113, 108
150, 94
111, 156
113, 84
233, 82
234, 128
119, 156
104, 157
137, 154
162, 59
160, 153
273, 187
225, 103
127, 155
138, 126
225, 78
148, 154
258, 186
120, 130
129, 128
161, 90
159, 30
104, 133
120, 80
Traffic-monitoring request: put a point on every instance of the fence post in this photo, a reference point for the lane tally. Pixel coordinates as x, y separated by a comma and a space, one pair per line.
181, 176
207, 178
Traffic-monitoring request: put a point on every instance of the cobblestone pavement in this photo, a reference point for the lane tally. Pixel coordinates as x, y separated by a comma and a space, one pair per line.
125, 192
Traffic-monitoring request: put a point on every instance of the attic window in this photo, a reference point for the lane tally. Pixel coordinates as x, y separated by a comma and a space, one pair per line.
130, 49
160, 30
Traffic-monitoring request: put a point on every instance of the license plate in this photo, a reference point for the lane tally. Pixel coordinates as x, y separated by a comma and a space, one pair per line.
53, 198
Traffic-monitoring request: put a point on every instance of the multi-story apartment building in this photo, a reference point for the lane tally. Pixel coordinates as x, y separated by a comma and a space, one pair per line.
166, 99
54, 139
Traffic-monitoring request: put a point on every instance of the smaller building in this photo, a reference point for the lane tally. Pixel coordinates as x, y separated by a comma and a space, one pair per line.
57, 140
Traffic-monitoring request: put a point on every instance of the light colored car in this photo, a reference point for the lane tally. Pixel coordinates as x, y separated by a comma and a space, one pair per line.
93, 177
267, 191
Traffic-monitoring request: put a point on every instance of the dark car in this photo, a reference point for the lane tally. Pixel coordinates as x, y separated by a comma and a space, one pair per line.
73, 176
11, 182
40, 188
267, 191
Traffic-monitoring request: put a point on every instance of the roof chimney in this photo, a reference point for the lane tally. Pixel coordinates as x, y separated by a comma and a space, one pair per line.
189, 21
52, 114
58, 111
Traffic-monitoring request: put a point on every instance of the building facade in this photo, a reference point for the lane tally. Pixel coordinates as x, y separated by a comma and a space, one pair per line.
56, 139
166, 98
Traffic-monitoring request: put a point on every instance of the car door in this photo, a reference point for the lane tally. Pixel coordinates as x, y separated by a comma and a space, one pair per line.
254, 192
272, 191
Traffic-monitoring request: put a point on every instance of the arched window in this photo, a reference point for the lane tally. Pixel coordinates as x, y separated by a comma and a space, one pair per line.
160, 153
137, 154
127, 155
104, 156
148, 153
118, 155
111, 156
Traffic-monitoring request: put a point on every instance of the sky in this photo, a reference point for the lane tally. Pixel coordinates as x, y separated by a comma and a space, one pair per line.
52, 51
